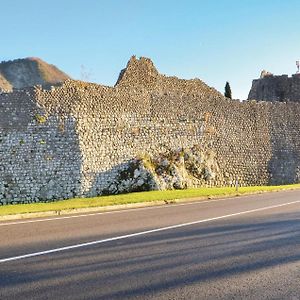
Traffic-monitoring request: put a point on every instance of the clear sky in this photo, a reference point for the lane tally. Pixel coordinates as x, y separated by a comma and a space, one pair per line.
214, 40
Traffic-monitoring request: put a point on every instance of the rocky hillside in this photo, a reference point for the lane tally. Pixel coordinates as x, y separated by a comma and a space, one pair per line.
26, 72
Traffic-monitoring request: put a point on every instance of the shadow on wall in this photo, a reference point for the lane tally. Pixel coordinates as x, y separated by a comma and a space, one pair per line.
127, 177
40, 158
284, 166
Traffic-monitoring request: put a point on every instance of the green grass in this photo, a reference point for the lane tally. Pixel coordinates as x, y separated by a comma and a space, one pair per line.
137, 198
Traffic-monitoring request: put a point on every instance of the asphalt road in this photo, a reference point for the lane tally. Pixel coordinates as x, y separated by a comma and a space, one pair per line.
239, 248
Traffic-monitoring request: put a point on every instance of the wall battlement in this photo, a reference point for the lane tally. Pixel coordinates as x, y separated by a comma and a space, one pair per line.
74, 139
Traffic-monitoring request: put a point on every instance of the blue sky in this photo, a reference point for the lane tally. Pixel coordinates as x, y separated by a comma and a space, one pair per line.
214, 40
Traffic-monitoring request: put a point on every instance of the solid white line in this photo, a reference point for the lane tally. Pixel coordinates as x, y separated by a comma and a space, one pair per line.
140, 233
120, 211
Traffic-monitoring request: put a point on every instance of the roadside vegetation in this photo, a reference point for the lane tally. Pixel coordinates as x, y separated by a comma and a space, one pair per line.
168, 196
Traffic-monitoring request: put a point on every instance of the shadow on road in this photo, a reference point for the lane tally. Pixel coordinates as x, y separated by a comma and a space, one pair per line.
148, 266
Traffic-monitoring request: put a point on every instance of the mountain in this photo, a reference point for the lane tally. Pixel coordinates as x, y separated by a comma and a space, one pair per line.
21, 73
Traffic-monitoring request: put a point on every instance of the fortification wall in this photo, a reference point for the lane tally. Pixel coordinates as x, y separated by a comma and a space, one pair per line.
276, 88
73, 140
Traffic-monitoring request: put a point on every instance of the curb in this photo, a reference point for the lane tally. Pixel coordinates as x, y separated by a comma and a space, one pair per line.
89, 209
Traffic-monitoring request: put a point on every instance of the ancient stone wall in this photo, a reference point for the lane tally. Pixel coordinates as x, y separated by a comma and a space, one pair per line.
73, 140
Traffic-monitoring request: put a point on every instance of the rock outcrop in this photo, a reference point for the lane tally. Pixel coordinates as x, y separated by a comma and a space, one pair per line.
175, 169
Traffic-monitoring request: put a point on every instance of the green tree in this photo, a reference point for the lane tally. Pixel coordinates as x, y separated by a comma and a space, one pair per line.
227, 90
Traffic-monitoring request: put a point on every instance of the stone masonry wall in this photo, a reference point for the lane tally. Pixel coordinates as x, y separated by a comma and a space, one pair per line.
73, 140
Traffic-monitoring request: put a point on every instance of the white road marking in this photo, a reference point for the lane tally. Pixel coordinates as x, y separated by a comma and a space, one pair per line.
121, 211
76, 246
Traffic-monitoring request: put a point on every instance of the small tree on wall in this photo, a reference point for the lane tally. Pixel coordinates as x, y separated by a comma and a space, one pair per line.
227, 90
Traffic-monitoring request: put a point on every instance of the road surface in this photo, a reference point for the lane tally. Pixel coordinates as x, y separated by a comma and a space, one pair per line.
238, 248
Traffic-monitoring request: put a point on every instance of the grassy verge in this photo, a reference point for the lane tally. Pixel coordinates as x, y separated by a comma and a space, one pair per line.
137, 198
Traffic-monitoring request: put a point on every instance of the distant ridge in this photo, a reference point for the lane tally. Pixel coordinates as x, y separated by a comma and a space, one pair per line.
31, 71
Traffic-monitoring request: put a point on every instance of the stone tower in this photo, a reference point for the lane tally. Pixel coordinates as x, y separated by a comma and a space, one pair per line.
281, 88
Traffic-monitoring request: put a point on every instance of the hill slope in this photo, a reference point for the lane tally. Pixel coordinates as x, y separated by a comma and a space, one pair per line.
26, 72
